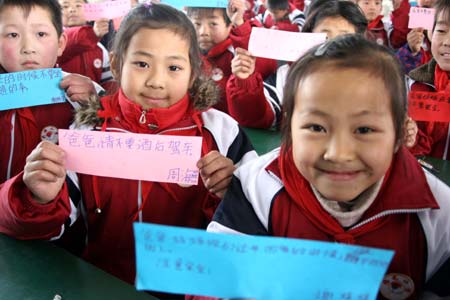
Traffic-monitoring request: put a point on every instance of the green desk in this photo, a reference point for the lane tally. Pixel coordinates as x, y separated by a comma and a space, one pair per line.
263, 140
38, 270
442, 168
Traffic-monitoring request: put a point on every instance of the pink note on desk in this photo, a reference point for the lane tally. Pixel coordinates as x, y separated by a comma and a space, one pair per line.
107, 9
421, 17
282, 45
161, 158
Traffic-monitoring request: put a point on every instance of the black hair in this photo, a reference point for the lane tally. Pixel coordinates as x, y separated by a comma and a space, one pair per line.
277, 4
314, 4
441, 7
345, 9
52, 6
351, 51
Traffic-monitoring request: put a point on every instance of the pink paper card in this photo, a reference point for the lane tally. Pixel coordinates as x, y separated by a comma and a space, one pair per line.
421, 17
160, 158
108, 9
282, 45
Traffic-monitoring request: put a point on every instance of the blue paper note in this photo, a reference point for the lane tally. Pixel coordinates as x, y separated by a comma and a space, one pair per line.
196, 3
30, 88
195, 262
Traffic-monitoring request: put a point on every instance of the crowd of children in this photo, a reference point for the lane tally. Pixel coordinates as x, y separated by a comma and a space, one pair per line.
346, 169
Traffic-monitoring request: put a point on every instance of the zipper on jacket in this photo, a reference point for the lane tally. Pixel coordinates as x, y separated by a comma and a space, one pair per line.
13, 128
143, 118
389, 212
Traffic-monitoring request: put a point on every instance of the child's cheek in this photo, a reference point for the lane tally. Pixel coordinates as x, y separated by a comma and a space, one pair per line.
9, 51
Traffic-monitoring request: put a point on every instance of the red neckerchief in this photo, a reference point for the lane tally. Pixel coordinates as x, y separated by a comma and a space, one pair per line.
119, 106
375, 22
300, 191
219, 48
441, 80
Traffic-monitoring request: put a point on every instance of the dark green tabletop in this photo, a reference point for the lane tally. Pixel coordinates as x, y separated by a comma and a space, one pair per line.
263, 140
38, 270
441, 168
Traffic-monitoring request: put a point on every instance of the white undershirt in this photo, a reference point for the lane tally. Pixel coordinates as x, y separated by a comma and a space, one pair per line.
353, 213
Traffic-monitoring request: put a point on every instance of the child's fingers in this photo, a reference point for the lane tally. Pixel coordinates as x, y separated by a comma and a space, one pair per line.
76, 80
44, 172
243, 63
82, 98
42, 175
47, 161
242, 51
80, 93
218, 182
208, 158
77, 89
220, 165
52, 168
47, 150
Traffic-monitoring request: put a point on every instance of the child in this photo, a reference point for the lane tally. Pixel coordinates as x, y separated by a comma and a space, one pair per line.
281, 15
417, 50
160, 93
342, 175
27, 46
220, 31
84, 53
391, 34
253, 8
257, 103
433, 137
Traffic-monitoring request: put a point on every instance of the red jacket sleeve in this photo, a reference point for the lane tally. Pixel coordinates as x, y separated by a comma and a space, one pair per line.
79, 40
240, 37
286, 25
24, 218
247, 102
423, 140
400, 20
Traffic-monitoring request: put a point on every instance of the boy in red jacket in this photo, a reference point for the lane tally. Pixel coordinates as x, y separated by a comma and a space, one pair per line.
433, 138
84, 53
392, 33
220, 31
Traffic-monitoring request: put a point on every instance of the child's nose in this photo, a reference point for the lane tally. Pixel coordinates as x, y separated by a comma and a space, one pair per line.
340, 148
203, 29
27, 45
446, 40
155, 80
